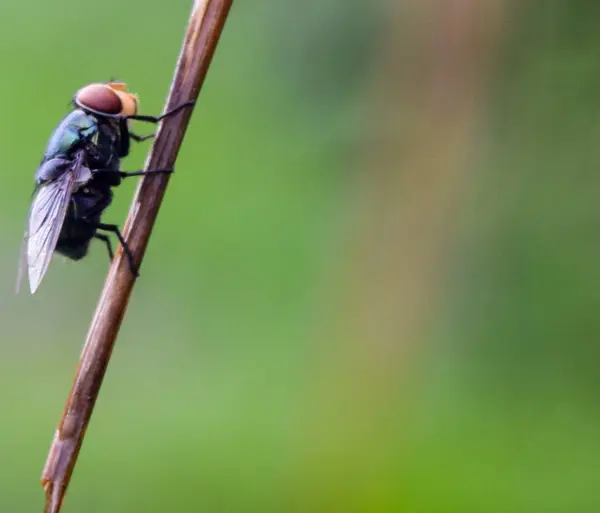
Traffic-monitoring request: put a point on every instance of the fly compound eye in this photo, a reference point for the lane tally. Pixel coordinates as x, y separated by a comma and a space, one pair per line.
100, 99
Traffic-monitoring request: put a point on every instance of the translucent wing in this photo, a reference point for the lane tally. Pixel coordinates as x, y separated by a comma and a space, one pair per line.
22, 262
46, 218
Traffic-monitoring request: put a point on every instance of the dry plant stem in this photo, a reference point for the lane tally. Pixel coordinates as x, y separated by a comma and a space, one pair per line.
204, 28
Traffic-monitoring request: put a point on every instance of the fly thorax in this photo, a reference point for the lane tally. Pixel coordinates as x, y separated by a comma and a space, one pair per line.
70, 133
107, 142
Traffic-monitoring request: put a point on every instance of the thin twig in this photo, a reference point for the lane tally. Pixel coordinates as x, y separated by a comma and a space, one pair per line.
204, 29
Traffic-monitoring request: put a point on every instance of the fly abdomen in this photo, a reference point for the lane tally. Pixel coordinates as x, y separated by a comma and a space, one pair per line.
76, 233
74, 248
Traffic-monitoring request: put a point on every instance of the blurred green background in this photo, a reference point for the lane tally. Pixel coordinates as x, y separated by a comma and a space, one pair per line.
373, 285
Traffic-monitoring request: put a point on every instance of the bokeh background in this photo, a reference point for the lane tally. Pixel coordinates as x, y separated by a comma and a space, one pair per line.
373, 286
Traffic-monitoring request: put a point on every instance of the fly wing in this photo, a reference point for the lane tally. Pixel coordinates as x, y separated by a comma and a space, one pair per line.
22, 261
46, 217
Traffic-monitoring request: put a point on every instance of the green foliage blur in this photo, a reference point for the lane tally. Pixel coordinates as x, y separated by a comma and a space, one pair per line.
221, 396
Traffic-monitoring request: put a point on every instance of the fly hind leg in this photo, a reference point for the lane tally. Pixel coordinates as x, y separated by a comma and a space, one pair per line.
113, 228
106, 240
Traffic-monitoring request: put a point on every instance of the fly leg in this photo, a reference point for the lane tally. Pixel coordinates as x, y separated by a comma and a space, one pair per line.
140, 138
106, 240
114, 176
125, 174
113, 228
156, 119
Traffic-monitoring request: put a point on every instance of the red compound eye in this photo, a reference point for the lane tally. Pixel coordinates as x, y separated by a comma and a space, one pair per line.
99, 98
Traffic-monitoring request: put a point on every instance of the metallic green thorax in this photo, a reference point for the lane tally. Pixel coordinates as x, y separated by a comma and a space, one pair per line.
73, 129
102, 138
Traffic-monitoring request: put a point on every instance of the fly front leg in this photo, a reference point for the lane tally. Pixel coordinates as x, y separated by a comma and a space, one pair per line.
157, 119
113, 228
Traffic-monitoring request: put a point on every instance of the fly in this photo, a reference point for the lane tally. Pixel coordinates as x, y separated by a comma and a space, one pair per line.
74, 182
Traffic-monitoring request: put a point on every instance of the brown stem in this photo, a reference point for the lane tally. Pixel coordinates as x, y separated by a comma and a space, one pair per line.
204, 29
